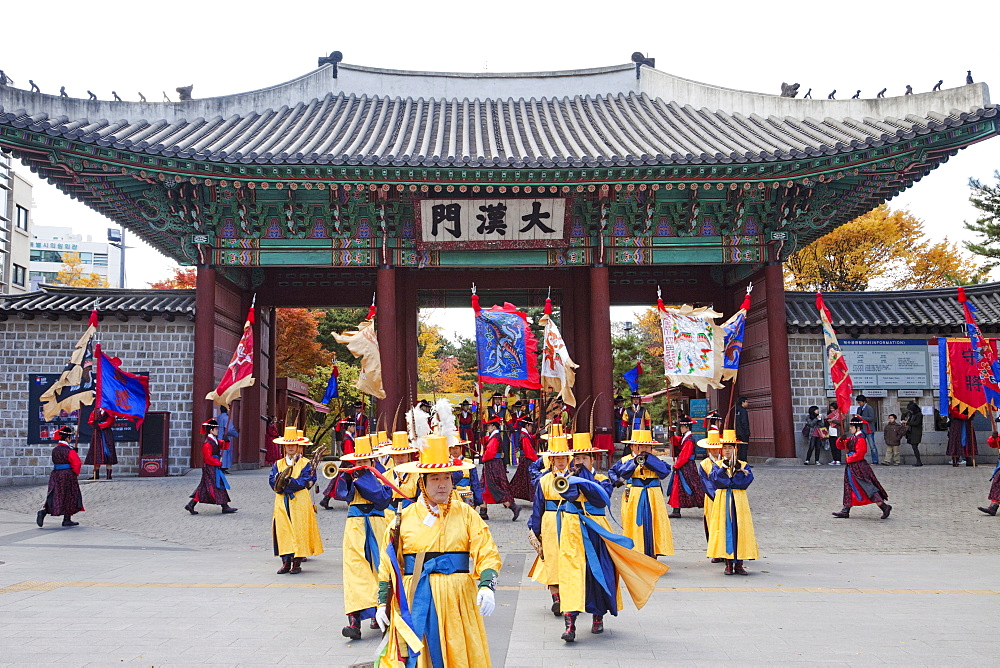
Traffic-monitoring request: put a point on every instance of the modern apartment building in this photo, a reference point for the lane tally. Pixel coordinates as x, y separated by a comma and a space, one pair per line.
51, 245
15, 228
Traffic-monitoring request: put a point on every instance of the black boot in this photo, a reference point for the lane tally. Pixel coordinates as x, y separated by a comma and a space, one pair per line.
226, 509
353, 628
68, 521
675, 513
483, 513
325, 502
556, 605
738, 568
598, 625
992, 510
97, 474
190, 507
296, 566
107, 473
516, 510
40, 517
286, 564
916, 455
843, 514
570, 619
886, 509
729, 567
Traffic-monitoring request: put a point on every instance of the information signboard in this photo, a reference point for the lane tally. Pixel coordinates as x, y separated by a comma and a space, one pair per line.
887, 363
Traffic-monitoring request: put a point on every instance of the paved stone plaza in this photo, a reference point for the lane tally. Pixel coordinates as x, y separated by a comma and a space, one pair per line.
142, 582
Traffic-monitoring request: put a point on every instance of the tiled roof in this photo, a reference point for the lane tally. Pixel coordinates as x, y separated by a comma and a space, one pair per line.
509, 121
927, 311
53, 301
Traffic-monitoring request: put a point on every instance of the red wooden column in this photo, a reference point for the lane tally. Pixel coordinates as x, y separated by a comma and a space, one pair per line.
577, 316
388, 332
408, 336
204, 357
781, 378
602, 364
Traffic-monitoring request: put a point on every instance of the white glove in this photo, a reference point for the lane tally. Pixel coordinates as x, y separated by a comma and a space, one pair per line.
486, 601
381, 617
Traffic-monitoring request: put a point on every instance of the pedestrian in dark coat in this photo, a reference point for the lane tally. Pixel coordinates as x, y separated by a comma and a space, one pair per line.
63, 497
914, 419
742, 424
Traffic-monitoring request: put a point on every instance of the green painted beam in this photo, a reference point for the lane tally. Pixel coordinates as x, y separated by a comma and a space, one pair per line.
494, 259
688, 256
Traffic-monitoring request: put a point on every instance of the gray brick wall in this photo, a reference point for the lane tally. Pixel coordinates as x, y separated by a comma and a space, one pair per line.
164, 349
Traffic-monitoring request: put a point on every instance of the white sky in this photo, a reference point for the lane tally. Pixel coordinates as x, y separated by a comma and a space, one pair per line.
229, 47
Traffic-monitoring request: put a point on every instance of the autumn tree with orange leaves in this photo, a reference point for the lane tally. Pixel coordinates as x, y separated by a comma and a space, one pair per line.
184, 277
883, 249
297, 350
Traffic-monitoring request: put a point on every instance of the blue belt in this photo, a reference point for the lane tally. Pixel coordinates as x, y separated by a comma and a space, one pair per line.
568, 506
645, 482
591, 509
60, 467
644, 512
364, 510
451, 562
368, 511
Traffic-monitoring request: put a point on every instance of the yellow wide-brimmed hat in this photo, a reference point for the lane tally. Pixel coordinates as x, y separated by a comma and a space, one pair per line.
435, 458
362, 450
582, 444
558, 445
729, 437
303, 439
399, 445
555, 431
642, 437
292, 436
382, 439
712, 442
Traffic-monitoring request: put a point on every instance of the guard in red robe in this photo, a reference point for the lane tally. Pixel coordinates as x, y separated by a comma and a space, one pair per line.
102, 442
496, 486
360, 419
861, 487
63, 497
685, 489
466, 422
214, 488
521, 484
994, 495
515, 418
347, 426
497, 410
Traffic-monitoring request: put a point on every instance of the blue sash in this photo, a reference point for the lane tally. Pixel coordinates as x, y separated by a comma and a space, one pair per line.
424, 612
644, 512
645, 482
372, 555
730, 502
853, 484
220, 479
458, 562
60, 467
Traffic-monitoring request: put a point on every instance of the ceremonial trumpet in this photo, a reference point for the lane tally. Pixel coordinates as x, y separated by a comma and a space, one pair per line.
640, 459
561, 484
329, 470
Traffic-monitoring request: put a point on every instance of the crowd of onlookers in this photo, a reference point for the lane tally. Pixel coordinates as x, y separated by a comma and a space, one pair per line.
823, 431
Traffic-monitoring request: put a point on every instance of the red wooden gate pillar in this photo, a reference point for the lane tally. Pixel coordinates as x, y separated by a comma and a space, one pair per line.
601, 361
781, 378
204, 357
576, 317
388, 343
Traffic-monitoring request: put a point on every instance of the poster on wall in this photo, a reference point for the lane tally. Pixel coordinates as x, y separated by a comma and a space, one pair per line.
41, 432
887, 363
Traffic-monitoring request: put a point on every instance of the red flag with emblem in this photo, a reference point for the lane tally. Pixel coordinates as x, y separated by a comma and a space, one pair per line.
239, 373
840, 374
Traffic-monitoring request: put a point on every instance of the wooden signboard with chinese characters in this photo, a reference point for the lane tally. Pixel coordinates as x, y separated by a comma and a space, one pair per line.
493, 223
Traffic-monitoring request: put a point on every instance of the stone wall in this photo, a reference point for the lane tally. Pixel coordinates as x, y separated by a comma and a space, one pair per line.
164, 349
809, 387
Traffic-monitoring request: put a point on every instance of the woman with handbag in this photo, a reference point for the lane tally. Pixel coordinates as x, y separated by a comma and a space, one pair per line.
815, 427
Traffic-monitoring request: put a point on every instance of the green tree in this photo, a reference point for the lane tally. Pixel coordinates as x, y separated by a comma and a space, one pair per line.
987, 199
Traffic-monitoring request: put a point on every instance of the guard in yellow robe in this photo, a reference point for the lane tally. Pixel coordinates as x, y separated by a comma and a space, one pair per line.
644, 510
438, 577
730, 525
401, 452
581, 560
294, 530
712, 445
367, 498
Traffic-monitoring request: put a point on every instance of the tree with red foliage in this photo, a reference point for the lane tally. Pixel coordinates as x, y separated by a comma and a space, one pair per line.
297, 352
184, 277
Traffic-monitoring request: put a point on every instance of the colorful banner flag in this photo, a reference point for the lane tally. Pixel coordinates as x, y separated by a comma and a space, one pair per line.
239, 373
732, 339
506, 349
332, 386
984, 357
363, 344
692, 346
75, 387
964, 384
558, 369
120, 393
840, 374
632, 377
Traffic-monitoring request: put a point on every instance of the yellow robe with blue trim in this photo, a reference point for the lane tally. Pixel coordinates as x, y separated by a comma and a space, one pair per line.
406, 482
294, 529
360, 577
663, 537
706, 465
746, 540
460, 624
565, 562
